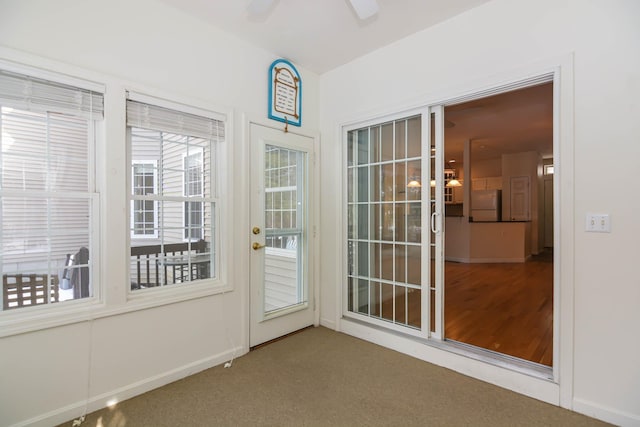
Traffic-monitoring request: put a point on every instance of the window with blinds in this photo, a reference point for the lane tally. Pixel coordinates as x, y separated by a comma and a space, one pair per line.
179, 211
47, 190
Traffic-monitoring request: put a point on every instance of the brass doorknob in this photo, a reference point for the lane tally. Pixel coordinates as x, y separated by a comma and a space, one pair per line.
257, 246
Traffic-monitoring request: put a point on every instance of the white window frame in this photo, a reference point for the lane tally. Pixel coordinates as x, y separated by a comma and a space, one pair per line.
42, 316
154, 164
218, 171
119, 299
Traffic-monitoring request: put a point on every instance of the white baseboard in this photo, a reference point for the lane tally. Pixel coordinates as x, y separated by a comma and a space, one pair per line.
605, 413
76, 409
330, 324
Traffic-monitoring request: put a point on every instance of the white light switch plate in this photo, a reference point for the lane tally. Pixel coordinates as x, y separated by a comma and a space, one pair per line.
598, 223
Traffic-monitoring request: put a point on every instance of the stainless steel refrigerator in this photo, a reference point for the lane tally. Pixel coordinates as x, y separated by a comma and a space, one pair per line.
486, 205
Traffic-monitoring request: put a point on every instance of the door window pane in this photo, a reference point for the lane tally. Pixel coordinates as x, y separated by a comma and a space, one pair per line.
284, 177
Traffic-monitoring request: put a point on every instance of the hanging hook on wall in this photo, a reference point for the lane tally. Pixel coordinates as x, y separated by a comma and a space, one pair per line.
286, 124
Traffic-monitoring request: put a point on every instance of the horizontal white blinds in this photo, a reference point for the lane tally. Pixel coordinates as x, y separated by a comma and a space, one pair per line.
147, 116
38, 95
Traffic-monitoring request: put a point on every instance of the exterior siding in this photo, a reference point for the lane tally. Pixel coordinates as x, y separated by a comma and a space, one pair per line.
43, 152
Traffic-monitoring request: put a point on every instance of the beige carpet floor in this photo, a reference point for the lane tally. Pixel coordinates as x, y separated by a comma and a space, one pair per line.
319, 377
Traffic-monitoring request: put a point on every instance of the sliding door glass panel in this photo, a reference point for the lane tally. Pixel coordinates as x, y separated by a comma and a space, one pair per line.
384, 194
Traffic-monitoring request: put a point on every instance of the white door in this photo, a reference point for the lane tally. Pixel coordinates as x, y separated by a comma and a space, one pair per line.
520, 197
281, 245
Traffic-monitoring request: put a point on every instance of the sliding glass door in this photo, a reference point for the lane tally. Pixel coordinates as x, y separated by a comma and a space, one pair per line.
394, 223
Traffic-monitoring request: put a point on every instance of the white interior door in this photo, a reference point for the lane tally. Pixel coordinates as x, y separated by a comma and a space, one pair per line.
520, 198
281, 245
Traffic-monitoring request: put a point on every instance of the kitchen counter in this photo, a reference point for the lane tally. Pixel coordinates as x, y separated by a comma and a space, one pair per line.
482, 242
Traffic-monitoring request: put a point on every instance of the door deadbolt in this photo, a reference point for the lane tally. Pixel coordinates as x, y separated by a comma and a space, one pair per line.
256, 230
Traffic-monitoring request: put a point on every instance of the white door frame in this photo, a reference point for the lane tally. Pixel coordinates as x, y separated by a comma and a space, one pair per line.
313, 234
560, 390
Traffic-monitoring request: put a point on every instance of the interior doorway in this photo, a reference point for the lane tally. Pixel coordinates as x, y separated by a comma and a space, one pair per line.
498, 274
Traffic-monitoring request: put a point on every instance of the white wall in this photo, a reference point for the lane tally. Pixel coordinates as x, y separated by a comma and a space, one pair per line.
148, 46
599, 372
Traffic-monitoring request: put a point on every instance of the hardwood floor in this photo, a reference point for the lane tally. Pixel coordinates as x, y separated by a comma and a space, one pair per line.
506, 308
502, 307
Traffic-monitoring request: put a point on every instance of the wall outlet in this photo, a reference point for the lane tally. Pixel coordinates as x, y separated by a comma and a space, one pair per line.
598, 223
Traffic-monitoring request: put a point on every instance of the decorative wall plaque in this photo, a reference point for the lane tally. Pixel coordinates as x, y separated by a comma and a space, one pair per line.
285, 93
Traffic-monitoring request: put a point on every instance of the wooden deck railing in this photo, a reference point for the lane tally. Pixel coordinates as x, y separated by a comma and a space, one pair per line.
20, 290
152, 263
171, 263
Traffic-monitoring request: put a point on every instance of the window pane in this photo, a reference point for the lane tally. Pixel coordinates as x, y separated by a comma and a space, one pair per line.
414, 268
413, 137
363, 147
193, 220
414, 307
45, 239
414, 219
386, 142
363, 259
363, 184
144, 212
400, 139
45, 145
414, 174
401, 221
401, 182
387, 182
401, 263
181, 230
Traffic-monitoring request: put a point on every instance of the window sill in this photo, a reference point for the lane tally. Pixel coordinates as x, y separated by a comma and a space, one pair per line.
164, 295
45, 317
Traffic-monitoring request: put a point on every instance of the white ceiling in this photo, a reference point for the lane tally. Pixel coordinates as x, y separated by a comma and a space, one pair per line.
323, 34
320, 35
507, 123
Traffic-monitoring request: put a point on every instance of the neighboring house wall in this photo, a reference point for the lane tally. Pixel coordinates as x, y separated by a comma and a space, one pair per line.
27, 252
171, 158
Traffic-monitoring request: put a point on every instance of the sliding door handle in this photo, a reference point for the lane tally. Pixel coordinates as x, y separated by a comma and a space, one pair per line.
434, 227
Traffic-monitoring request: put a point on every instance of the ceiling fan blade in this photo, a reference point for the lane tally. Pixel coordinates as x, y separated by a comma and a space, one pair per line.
365, 8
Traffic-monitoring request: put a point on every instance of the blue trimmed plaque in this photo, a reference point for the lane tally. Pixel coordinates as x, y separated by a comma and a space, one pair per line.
285, 93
